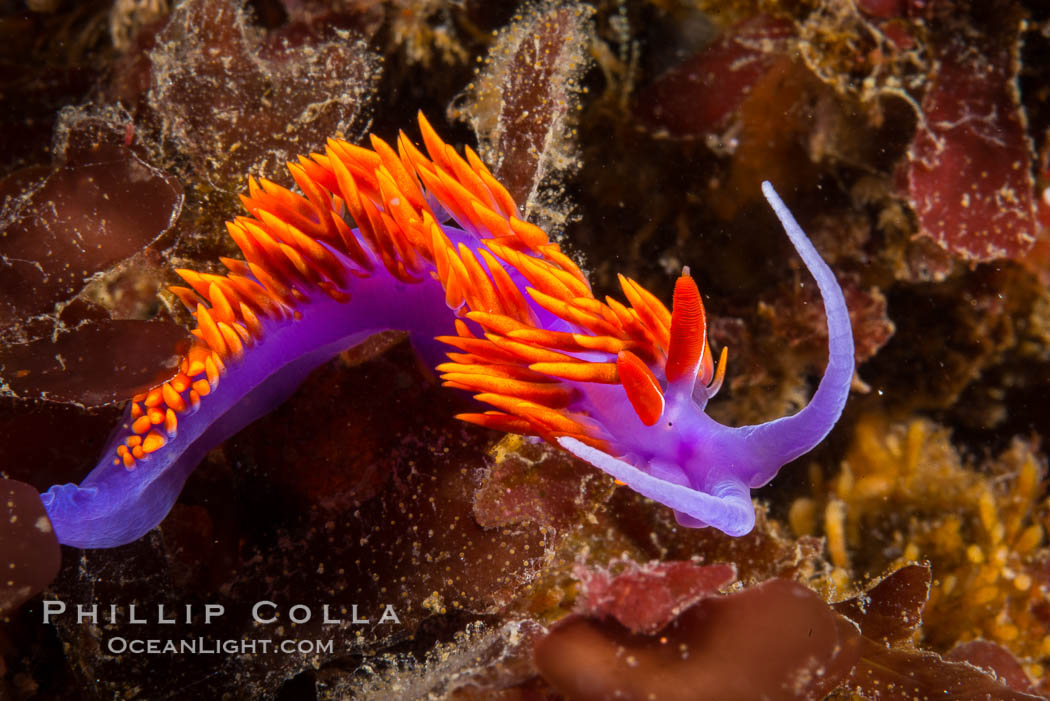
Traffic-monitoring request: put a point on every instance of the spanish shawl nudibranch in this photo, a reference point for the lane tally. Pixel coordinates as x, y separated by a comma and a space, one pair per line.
439, 251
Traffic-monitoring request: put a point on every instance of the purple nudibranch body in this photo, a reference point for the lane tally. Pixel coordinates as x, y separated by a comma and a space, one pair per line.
440, 252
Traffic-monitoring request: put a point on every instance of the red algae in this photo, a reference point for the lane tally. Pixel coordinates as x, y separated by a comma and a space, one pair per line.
703, 93
995, 660
890, 609
881, 8
30, 451
776, 640
78, 245
127, 353
644, 598
889, 615
896, 674
969, 166
533, 484
77, 222
28, 547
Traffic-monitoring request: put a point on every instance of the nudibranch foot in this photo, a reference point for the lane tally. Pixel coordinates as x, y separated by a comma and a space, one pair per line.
392, 239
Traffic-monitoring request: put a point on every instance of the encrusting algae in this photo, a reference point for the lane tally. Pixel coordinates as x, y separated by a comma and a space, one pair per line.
904, 494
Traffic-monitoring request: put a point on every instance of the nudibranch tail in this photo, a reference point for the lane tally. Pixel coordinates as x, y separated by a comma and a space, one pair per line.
394, 239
